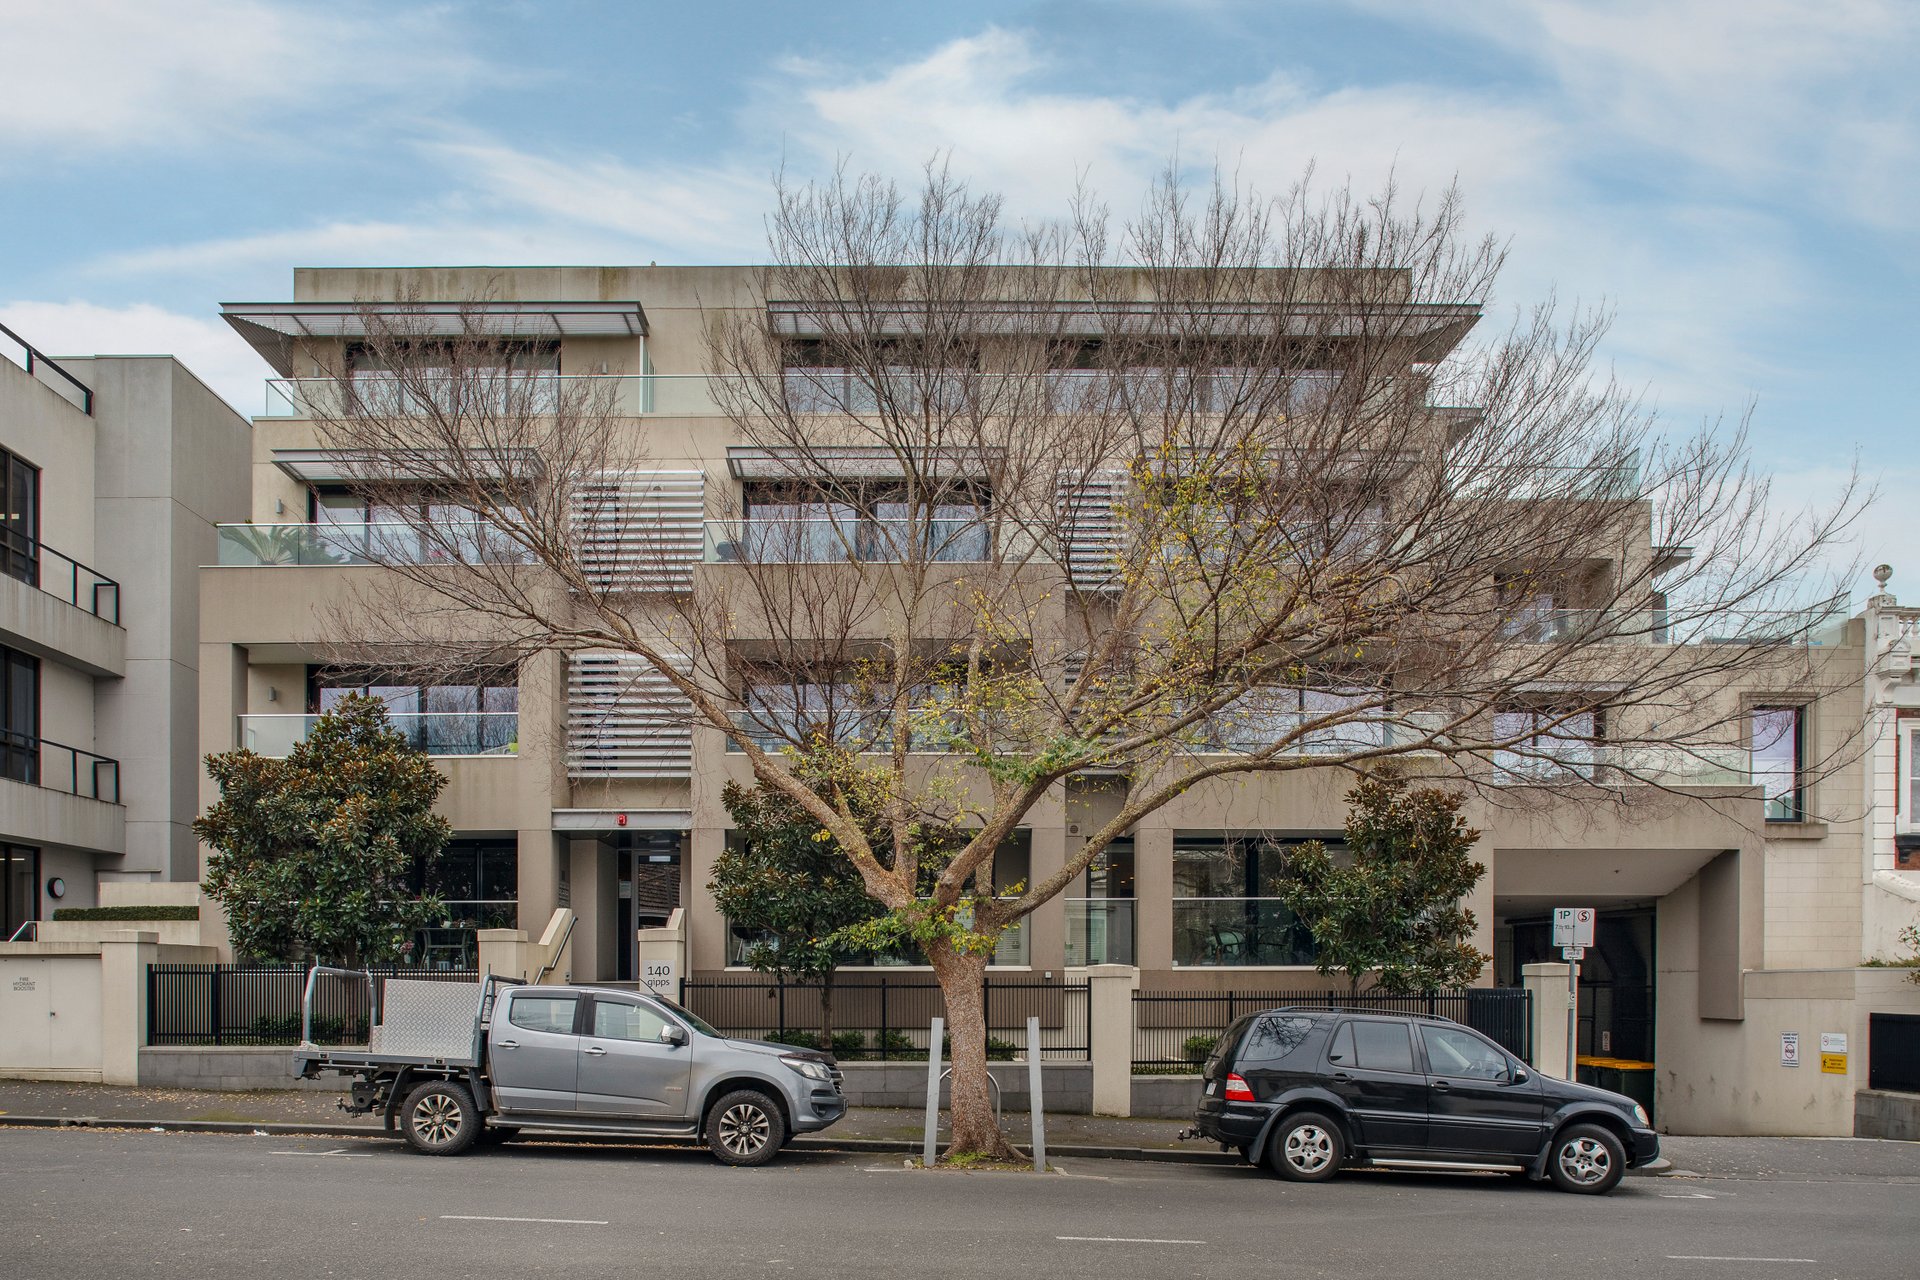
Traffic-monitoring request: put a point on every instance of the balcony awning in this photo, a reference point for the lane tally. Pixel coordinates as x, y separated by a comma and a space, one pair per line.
275, 329
346, 466
854, 462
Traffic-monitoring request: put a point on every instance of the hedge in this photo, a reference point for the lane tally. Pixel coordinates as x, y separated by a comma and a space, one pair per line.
126, 913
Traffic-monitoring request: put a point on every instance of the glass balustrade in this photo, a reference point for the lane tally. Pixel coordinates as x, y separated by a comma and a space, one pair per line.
1238, 931
451, 542
1099, 931
457, 733
850, 539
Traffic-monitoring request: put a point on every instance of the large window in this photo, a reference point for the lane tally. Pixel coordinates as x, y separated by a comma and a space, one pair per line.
1332, 719
876, 521
1100, 920
19, 716
478, 882
19, 519
1779, 761
478, 714
19, 887
1548, 741
1226, 902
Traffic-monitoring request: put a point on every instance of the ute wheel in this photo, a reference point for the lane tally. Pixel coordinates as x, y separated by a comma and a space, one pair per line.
1306, 1147
439, 1118
1586, 1160
745, 1128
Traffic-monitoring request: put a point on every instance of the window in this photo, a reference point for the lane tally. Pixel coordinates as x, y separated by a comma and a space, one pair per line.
19, 887
551, 1014
1261, 717
1462, 1055
1909, 775
1226, 908
19, 716
1548, 742
475, 715
19, 519
1273, 1037
621, 1021
1778, 762
867, 521
1378, 1046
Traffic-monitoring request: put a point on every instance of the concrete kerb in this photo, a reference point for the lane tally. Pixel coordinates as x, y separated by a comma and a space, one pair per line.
875, 1146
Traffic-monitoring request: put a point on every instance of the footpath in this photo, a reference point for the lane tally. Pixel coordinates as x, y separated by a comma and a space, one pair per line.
304, 1111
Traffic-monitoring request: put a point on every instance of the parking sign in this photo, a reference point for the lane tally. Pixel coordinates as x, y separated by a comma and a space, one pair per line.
1573, 926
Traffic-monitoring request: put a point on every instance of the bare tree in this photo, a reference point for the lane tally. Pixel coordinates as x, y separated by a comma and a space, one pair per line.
1170, 499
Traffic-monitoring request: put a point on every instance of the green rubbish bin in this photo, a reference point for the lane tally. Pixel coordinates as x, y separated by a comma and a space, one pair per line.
1620, 1075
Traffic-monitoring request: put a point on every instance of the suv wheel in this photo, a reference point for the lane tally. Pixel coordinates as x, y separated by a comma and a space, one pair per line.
439, 1118
745, 1128
1306, 1147
1587, 1160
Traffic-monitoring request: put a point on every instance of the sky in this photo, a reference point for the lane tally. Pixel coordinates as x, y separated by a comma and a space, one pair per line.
1734, 179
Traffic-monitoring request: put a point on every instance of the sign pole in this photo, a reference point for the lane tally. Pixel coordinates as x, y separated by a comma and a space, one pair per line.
1573, 1009
1573, 934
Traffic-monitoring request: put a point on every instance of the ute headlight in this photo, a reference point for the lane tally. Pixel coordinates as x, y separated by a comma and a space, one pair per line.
811, 1068
1640, 1114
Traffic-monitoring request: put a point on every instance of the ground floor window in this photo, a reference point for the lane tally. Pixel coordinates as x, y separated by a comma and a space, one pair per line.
1226, 902
478, 882
19, 887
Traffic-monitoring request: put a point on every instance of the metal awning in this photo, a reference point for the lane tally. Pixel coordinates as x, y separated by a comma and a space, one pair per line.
275, 329
855, 462
346, 466
612, 820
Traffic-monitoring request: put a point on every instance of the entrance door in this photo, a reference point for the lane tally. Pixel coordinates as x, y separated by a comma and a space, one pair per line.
536, 1055
1374, 1073
626, 1069
26, 1003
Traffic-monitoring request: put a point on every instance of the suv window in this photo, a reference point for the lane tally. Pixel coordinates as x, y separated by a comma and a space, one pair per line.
552, 1014
617, 1020
1451, 1052
1273, 1036
1375, 1046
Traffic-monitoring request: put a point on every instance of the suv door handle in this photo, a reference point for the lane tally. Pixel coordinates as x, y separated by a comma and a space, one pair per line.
1441, 1086
596, 1051
507, 1044
1341, 1075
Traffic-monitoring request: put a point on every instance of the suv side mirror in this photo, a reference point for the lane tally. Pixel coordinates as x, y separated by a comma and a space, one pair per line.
673, 1033
1519, 1075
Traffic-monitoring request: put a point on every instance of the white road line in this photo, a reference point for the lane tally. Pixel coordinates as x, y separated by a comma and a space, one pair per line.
558, 1222
1708, 1257
1123, 1240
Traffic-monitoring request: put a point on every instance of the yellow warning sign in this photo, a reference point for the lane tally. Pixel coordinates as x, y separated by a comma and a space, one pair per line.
1833, 1064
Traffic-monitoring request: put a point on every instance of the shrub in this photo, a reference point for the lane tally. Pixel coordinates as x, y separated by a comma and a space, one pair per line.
796, 1039
848, 1043
893, 1044
126, 913
1198, 1047
284, 1028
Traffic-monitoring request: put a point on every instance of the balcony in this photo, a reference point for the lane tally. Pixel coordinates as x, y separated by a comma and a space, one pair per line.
35, 563
1099, 931
56, 766
453, 733
1606, 765
846, 540
1559, 626
626, 395
56, 607
1249, 731
450, 542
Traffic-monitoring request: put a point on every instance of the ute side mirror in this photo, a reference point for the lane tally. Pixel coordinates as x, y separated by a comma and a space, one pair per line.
673, 1033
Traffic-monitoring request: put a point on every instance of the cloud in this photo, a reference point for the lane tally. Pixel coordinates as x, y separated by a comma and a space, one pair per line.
117, 75
207, 346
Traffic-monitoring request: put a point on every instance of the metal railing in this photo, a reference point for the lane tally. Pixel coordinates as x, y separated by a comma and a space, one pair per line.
446, 733
886, 1019
1610, 765
56, 766
630, 395
36, 360
1099, 931
248, 1004
1250, 729
35, 563
1179, 1028
388, 542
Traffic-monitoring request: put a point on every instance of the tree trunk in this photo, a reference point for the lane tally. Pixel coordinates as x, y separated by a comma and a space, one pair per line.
976, 1129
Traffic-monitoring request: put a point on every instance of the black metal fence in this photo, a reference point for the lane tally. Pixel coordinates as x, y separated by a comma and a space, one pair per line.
883, 1019
241, 1004
1178, 1028
1893, 1052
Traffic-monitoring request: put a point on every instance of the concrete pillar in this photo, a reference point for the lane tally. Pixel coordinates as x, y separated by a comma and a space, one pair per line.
503, 951
1046, 926
662, 956
1153, 897
124, 957
1548, 982
1110, 989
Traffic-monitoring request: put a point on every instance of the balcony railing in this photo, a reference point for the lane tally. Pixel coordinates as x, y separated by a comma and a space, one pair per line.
1606, 764
1238, 931
35, 563
626, 395
1099, 931
452, 542
851, 539
451, 733
69, 388
1246, 732
1558, 626
56, 766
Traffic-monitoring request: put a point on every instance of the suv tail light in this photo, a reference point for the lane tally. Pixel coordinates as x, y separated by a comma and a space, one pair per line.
1237, 1090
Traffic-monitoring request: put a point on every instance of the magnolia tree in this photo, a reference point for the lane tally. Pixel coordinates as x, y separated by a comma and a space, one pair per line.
1222, 489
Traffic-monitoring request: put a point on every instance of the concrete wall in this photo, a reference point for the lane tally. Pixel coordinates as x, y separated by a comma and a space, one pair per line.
167, 1067
1892, 1116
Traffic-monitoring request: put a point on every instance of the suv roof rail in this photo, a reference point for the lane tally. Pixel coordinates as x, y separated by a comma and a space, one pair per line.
1347, 1008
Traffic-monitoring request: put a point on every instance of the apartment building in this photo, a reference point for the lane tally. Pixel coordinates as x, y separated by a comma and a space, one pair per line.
114, 471
574, 784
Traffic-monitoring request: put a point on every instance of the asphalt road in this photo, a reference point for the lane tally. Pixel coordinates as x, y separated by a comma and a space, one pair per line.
90, 1204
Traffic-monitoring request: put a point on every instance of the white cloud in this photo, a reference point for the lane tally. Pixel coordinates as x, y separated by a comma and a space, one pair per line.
113, 74
207, 346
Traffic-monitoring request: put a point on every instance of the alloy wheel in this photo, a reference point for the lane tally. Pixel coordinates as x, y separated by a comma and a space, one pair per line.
1585, 1161
436, 1118
1308, 1148
744, 1129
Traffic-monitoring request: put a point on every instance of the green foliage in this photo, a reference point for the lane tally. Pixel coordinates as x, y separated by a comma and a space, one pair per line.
285, 1028
1394, 909
892, 1043
1196, 1048
312, 854
127, 913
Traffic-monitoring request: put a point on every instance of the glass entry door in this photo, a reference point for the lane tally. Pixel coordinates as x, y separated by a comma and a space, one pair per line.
19, 888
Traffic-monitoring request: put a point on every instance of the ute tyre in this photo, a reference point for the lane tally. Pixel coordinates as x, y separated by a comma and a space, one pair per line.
1586, 1160
439, 1118
1306, 1147
745, 1128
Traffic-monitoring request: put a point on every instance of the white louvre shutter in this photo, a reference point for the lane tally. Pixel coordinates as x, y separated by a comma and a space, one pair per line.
1089, 534
641, 531
625, 720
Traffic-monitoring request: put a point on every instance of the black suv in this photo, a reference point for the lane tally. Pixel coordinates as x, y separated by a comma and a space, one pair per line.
1308, 1090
